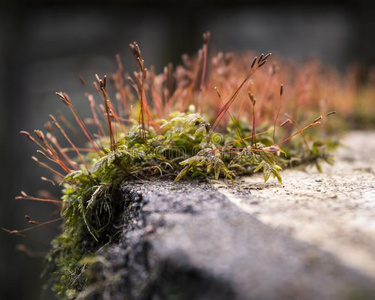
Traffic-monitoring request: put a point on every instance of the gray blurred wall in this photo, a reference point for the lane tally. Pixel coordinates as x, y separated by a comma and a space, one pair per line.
46, 45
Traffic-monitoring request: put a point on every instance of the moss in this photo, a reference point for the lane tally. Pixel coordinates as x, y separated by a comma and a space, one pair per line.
158, 132
88, 226
93, 208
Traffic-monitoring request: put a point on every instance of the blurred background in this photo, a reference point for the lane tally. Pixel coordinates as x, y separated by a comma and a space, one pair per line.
46, 45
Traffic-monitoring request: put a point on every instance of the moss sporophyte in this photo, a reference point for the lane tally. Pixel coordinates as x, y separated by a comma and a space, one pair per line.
217, 119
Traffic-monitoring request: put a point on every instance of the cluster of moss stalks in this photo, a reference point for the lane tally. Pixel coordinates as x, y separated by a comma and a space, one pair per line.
151, 146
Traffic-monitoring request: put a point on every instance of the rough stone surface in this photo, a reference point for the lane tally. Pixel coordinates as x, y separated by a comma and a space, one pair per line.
195, 240
334, 210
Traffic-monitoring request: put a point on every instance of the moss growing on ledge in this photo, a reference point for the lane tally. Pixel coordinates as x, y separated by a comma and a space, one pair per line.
92, 207
163, 129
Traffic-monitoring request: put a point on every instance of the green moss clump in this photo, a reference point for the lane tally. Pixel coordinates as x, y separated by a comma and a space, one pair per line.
92, 203
150, 137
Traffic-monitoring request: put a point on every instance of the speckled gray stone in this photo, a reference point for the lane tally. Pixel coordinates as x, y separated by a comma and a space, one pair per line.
187, 241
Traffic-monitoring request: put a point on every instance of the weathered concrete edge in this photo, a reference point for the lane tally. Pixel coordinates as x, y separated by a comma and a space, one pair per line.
159, 256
